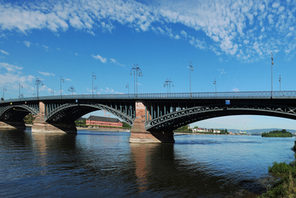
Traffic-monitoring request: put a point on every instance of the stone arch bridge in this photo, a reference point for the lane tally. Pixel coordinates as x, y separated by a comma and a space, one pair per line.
153, 117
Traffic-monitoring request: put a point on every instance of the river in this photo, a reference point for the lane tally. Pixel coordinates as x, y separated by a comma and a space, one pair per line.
104, 164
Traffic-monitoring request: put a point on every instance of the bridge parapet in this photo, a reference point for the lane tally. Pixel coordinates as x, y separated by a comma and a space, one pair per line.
163, 96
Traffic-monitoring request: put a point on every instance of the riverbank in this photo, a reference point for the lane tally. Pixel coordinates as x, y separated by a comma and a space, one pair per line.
186, 133
286, 185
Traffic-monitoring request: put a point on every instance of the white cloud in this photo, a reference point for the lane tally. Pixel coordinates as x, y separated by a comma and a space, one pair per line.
114, 61
11, 78
4, 52
100, 58
224, 26
46, 73
9, 67
27, 43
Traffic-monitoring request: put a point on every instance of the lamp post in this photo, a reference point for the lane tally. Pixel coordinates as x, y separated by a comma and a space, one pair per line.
127, 87
191, 68
3, 91
271, 76
215, 85
136, 72
61, 86
71, 89
38, 82
280, 82
20, 87
168, 84
93, 77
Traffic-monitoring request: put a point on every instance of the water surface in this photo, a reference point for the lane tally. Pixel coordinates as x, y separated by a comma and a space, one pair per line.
97, 164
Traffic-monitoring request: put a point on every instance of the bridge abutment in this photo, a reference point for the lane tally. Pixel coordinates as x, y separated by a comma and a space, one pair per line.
41, 126
140, 135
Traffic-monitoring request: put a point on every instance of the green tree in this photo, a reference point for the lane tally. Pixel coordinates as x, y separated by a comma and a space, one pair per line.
28, 119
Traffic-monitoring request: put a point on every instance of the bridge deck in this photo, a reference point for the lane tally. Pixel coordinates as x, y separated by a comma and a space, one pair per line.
168, 96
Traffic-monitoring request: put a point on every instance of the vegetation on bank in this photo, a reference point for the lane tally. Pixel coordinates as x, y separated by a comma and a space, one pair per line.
286, 186
29, 119
277, 133
184, 129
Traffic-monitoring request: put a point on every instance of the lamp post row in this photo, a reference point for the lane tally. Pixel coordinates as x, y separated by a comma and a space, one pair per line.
136, 72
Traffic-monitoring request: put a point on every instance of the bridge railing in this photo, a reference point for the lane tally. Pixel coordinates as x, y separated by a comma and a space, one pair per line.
194, 95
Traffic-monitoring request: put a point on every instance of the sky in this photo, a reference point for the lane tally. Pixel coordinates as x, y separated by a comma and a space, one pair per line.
229, 42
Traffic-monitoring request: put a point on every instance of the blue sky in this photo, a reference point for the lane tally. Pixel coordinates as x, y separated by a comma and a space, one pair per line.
227, 41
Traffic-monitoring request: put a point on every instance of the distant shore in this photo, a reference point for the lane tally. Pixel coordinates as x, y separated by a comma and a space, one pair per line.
186, 133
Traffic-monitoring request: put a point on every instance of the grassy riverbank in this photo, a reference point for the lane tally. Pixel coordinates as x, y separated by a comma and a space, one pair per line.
286, 186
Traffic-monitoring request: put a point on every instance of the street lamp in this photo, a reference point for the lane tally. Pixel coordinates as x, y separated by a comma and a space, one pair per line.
191, 68
136, 72
168, 84
20, 87
280, 82
93, 77
215, 84
72, 90
127, 87
3, 91
38, 82
271, 75
61, 86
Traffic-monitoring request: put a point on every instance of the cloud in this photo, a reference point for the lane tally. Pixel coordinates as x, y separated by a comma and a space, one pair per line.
27, 43
46, 73
114, 61
9, 67
100, 58
107, 60
4, 52
108, 90
12, 76
236, 28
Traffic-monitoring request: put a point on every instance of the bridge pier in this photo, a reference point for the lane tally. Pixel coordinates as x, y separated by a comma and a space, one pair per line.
139, 133
41, 126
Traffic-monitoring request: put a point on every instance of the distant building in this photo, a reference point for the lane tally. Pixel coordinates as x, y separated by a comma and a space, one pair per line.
203, 130
216, 131
200, 130
103, 121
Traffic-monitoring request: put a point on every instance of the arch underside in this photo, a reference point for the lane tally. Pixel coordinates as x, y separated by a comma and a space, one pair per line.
175, 120
68, 113
15, 113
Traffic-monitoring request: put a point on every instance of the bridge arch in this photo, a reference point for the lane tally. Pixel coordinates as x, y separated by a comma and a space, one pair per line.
70, 112
17, 112
183, 117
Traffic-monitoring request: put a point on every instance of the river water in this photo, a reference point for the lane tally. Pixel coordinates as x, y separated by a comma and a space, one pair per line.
104, 164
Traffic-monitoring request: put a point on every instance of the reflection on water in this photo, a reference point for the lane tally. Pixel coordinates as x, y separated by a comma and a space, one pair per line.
104, 164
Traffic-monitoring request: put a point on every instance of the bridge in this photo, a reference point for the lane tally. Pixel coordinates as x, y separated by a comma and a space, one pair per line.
153, 116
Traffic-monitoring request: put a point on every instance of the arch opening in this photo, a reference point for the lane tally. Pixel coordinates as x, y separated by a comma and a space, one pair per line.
12, 117
178, 119
72, 112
